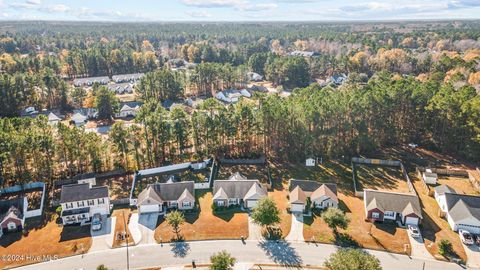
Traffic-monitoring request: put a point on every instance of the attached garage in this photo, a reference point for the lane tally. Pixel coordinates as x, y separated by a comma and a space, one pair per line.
412, 220
297, 207
152, 208
251, 203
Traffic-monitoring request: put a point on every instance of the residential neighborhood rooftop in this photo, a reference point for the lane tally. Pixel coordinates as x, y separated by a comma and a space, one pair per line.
80, 192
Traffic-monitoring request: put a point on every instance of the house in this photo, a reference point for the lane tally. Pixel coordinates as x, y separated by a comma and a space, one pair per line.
254, 77
121, 88
161, 196
123, 78
78, 119
80, 202
12, 215
383, 205
128, 109
338, 79
90, 81
53, 119
304, 53
310, 162
321, 195
232, 95
461, 211
238, 191
429, 177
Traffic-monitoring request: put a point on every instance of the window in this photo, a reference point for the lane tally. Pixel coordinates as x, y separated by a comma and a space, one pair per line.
101, 201
232, 201
68, 205
375, 215
81, 204
389, 214
11, 226
187, 204
91, 202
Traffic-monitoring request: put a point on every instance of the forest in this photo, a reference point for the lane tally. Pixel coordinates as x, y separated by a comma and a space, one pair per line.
407, 82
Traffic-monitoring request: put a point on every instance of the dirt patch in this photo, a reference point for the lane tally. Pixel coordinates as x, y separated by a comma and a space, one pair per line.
280, 196
122, 234
45, 237
204, 225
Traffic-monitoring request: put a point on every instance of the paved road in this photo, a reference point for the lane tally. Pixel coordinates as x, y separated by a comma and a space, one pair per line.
285, 253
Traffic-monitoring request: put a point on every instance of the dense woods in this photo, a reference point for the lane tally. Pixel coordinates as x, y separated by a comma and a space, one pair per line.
403, 86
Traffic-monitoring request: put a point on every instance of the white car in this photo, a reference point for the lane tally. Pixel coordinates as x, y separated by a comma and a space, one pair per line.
466, 237
96, 222
414, 231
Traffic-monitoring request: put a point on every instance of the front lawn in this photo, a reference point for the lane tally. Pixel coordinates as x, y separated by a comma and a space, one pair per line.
204, 225
45, 237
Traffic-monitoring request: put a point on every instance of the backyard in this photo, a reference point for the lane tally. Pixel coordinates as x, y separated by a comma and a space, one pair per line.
386, 178
62, 241
459, 184
119, 186
204, 224
258, 172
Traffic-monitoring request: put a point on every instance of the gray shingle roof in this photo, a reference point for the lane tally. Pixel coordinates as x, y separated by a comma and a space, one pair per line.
238, 188
442, 189
310, 186
12, 207
391, 201
166, 191
81, 192
462, 206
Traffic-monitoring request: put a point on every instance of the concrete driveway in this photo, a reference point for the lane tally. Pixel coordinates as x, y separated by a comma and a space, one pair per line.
103, 239
419, 250
147, 223
473, 256
296, 231
254, 230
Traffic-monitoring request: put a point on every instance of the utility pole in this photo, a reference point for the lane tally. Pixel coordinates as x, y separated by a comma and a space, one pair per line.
126, 240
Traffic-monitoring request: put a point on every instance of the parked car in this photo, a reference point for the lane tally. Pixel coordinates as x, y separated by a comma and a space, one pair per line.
414, 231
466, 237
96, 222
477, 240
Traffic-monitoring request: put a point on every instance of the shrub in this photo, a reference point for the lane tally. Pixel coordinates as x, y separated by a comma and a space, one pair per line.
445, 247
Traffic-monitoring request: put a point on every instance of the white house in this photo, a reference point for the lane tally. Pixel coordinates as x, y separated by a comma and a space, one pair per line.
310, 162
80, 202
127, 111
53, 119
12, 215
429, 177
79, 119
461, 211
160, 196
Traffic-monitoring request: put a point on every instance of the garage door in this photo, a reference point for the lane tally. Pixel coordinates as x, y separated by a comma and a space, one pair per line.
149, 208
294, 207
472, 229
411, 220
251, 204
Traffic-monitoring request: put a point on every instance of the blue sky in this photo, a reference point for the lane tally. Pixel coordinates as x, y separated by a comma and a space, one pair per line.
236, 10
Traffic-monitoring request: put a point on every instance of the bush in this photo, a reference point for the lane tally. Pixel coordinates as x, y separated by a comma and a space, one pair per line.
445, 247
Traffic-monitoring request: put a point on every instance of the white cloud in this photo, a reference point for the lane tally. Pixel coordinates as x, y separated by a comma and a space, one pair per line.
60, 8
34, 2
199, 14
214, 3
